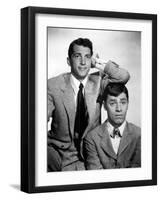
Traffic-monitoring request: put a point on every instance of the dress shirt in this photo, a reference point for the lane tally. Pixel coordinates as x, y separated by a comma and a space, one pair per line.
115, 141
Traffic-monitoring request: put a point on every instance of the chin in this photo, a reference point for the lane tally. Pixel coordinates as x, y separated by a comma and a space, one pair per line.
118, 122
82, 77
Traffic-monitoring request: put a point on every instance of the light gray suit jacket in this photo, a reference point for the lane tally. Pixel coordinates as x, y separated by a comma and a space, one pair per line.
100, 153
61, 106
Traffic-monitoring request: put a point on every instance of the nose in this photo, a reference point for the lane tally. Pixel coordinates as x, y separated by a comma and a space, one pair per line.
118, 107
83, 61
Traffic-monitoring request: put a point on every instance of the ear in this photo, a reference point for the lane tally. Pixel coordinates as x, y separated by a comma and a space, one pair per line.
68, 61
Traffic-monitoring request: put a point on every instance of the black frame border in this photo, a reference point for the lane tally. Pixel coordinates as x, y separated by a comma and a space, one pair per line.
28, 98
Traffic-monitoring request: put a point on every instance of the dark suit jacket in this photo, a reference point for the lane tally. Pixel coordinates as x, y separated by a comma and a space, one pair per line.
61, 106
100, 153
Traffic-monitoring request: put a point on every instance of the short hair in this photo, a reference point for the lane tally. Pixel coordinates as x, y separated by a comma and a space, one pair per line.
115, 89
82, 42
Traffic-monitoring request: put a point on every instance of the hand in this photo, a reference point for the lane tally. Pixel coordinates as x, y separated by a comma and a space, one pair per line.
97, 62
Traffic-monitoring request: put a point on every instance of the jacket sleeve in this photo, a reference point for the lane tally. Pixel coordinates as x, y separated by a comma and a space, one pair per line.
51, 106
115, 73
92, 160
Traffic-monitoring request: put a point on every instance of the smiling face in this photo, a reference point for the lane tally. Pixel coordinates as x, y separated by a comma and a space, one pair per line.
116, 108
80, 61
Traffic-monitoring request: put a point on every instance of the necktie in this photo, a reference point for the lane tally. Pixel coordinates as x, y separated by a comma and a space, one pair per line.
81, 119
116, 132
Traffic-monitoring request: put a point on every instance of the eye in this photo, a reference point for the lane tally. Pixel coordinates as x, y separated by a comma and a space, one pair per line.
88, 56
112, 103
76, 55
124, 102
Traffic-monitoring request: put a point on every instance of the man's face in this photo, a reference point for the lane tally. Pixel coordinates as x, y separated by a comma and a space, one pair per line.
116, 109
80, 61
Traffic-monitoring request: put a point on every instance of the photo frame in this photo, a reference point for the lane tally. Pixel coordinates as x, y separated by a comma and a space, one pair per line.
40, 29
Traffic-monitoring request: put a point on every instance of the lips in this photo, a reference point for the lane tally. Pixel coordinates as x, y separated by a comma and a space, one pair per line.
82, 68
118, 116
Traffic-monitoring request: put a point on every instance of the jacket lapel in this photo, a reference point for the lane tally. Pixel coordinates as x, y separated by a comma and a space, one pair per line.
68, 100
106, 141
125, 140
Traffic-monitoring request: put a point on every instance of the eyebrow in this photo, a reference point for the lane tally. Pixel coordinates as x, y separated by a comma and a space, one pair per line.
80, 53
122, 99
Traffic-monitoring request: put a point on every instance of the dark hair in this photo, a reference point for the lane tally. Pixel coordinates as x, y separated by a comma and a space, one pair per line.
114, 89
82, 42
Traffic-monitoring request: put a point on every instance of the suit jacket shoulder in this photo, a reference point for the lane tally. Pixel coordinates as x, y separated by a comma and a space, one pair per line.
135, 130
99, 131
58, 81
64, 78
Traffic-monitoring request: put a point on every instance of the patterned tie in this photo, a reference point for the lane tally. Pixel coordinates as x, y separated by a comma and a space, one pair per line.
81, 119
116, 132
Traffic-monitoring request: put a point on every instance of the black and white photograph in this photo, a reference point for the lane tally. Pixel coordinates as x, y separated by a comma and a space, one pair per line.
100, 70
91, 100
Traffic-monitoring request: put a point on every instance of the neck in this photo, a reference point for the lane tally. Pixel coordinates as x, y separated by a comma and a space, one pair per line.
84, 80
114, 124
78, 78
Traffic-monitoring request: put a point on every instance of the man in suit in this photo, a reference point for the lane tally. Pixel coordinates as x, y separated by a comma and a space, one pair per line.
116, 143
74, 106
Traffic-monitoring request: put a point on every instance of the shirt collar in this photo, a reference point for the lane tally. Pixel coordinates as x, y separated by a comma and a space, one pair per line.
75, 83
121, 128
